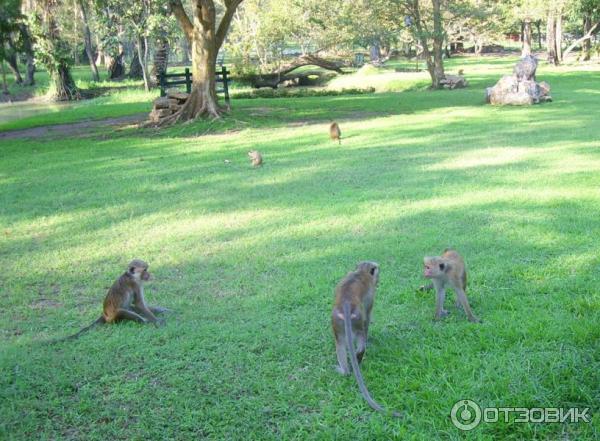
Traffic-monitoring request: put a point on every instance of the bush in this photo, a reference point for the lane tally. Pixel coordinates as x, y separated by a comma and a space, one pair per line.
301, 92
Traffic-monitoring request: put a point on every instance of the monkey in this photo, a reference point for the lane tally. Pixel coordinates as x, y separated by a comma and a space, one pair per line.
448, 270
255, 158
125, 300
335, 132
351, 316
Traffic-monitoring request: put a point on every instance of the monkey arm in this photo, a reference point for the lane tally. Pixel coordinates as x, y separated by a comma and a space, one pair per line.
140, 305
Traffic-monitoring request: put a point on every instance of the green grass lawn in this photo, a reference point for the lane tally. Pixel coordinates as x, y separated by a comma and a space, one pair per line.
248, 260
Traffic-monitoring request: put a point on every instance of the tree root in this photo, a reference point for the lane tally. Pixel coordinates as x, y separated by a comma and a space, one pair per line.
194, 109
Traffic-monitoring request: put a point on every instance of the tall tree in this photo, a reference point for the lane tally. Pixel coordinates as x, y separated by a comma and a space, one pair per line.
26, 48
588, 11
52, 51
206, 37
87, 37
10, 15
428, 25
554, 32
526, 37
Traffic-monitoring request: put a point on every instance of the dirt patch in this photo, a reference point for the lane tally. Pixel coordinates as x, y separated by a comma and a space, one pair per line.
73, 128
44, 303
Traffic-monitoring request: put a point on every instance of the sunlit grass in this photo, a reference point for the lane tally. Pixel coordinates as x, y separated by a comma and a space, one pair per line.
248, 259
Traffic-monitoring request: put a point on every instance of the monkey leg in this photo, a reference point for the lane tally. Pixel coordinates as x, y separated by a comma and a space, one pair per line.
154, 309
159, 309
440, 312
342, 355
361, 338
462, 299
126, 314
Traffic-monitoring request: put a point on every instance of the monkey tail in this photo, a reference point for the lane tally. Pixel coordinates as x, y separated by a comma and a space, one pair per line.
355, 366
101, 320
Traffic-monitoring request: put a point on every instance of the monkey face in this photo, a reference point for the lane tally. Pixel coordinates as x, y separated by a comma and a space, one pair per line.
433, 267
145, 275
372, 268
138, 269
428, 272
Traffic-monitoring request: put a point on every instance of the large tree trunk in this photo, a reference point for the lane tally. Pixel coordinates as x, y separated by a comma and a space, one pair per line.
66, 90
135, 67
438, 43
375, 53
87, 37
435, 63
203, 99
526, 49
28, 51
116, 66
4, 83
11, 59
551, 38
161, 59
142, 55
586, 48
206, 39
58, 67
559, 36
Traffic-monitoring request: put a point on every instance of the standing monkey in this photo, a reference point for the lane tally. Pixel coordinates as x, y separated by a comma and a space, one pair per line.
351, 315
125, 299
448, 269
255, 158
335, 133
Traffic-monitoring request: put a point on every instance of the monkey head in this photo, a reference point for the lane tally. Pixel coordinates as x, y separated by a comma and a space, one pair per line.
253, 154
371, 268
435, 267
138, 269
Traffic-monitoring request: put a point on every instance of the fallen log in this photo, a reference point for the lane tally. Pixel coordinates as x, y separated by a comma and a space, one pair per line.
273, 79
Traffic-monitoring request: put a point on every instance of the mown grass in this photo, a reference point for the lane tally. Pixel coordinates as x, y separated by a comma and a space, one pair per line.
248, 259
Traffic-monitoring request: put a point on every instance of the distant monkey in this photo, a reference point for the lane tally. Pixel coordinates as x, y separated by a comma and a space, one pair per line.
335, 133
255, 158
350, 318
448, 270
461, 72
125, 299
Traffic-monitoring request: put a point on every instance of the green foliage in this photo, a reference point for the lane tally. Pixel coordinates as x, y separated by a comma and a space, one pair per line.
50, 50
474, 22
10, 17
301, 92
267, 30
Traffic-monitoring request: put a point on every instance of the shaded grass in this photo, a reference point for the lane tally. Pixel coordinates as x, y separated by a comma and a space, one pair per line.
249, 258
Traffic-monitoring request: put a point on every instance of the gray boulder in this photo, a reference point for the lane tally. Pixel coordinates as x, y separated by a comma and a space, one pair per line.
520, 88
525, 68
